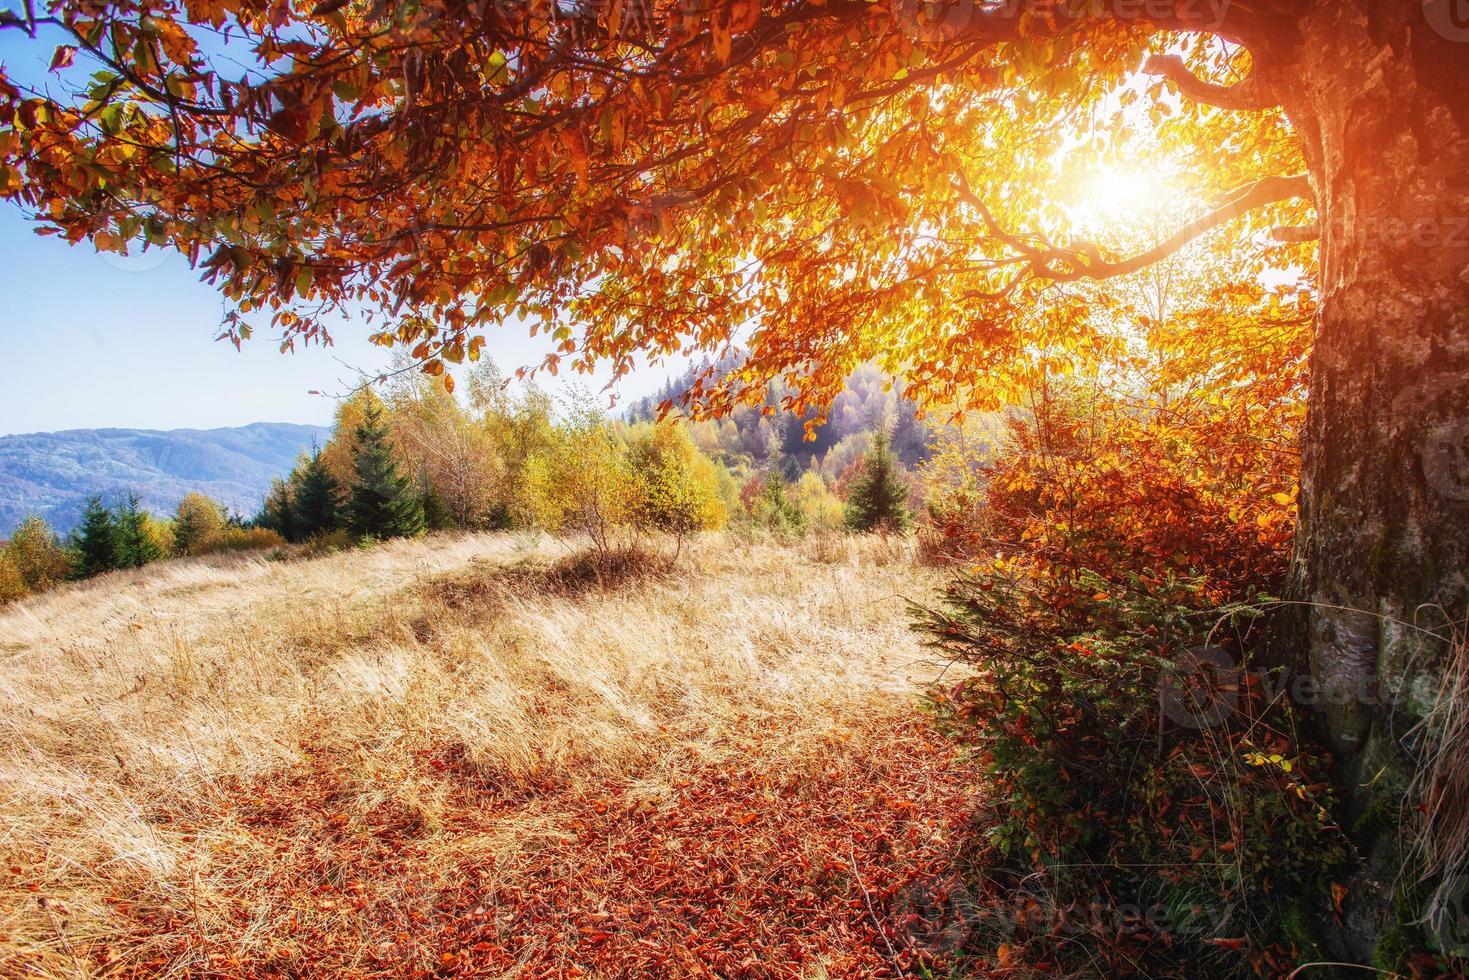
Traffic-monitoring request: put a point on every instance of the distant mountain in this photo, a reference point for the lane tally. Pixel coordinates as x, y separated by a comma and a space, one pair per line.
53, 473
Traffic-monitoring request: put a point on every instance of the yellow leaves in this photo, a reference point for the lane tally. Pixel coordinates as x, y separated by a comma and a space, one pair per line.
1272, 759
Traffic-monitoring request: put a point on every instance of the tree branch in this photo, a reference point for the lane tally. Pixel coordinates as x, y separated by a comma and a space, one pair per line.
1245, 96
1084, 260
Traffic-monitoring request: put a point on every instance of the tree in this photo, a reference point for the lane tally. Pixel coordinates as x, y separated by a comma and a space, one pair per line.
452, 453
12, 586
277, 511
37, 555
660, 150
878, 499
136, 542
96, 539
583, 483
382, 502
314, 506
770, 507
821, 510
198, 522
678, 486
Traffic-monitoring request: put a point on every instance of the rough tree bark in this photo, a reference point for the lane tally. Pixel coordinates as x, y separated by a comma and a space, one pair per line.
1379, 92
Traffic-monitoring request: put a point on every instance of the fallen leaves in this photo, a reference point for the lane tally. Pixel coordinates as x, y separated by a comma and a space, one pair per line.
744, 871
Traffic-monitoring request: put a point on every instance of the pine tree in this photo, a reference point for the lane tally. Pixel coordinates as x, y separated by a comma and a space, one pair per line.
773, 508
314, 508
276, 513
878, 498
383, 502
135, 546
96, 540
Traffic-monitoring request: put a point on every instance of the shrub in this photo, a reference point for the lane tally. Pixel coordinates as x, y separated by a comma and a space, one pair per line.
677, 486
327, 543
37, 555
769, 507
1121, 541
12, 586
197, 521
583, 483
821, 510
243, 539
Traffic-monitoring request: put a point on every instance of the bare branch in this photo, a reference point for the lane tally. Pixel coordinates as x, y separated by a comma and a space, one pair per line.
1245, 96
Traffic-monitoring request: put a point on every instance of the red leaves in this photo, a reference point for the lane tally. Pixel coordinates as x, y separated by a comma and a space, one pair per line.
744, 871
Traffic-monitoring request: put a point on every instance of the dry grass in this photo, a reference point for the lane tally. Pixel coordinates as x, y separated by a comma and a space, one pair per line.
225, 766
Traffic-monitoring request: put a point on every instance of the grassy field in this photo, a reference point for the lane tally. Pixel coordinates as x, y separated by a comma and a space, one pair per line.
467, 756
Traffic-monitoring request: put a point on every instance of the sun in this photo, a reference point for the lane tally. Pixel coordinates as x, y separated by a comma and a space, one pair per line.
1116, 193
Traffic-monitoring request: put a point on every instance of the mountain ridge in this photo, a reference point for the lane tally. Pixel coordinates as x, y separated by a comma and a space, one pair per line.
53, 473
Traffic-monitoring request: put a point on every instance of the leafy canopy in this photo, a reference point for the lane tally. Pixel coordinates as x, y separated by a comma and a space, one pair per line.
820, 182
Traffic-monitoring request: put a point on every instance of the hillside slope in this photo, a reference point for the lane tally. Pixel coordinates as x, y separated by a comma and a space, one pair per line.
464, 756
53, 473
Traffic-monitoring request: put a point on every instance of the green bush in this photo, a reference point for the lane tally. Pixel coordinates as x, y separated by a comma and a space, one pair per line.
1109, 790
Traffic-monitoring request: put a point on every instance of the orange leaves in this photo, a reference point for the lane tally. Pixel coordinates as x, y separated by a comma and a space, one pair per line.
725, 174
576, 150
737, 869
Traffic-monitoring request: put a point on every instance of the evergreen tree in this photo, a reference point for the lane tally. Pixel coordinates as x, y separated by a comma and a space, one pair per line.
383, 502
277, 513
135, 546
773, 508
878, 499
96, 540
436, 513
314, 507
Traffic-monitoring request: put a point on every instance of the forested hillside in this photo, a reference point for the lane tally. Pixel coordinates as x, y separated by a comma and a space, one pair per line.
53, 473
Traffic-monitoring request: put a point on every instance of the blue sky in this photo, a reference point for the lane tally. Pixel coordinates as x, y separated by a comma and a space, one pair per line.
92, 341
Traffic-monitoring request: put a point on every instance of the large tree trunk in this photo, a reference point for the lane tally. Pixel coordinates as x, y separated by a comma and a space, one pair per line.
1379, 90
